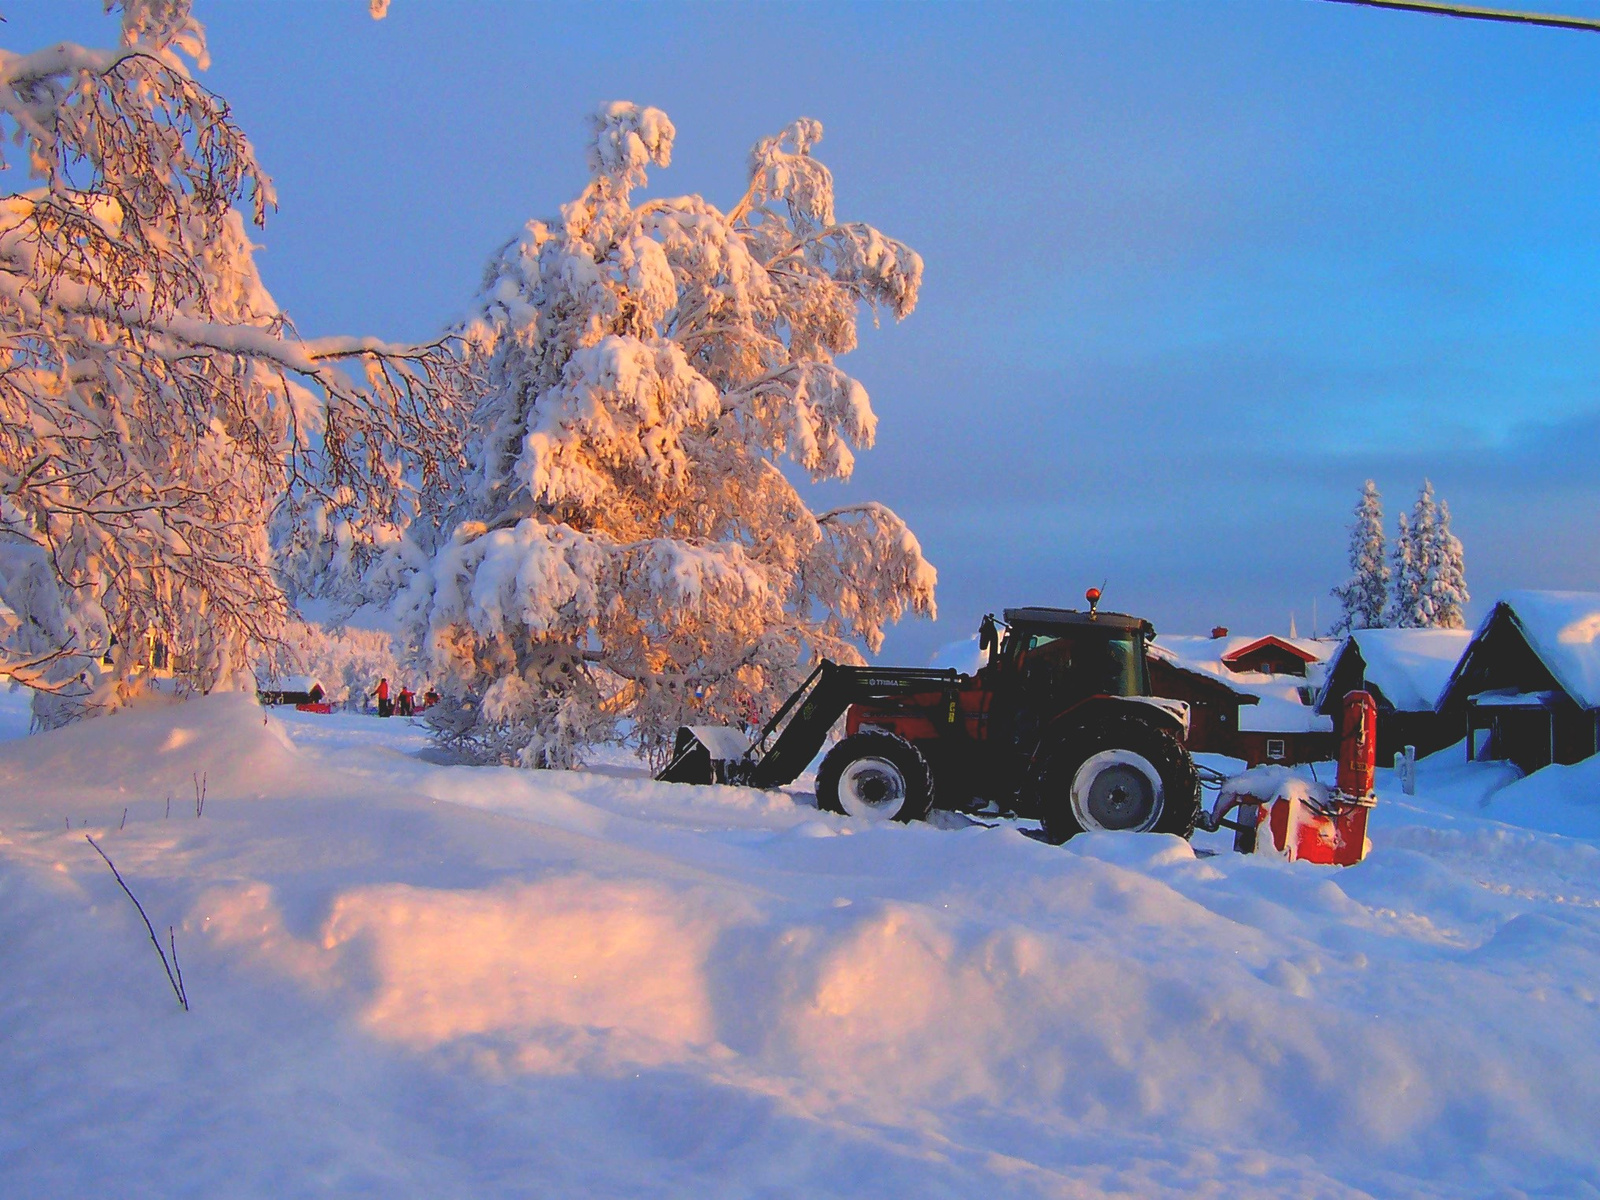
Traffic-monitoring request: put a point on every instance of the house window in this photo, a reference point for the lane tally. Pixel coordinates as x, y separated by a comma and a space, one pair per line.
1275, 750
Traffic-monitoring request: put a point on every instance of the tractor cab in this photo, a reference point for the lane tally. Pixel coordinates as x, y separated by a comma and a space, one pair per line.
1046, 664
1063, 656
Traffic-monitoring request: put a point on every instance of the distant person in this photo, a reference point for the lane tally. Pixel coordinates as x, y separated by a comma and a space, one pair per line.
430, 698
407, 703
385, 705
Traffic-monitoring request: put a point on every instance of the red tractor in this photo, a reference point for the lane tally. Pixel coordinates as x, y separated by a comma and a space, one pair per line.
1059, 724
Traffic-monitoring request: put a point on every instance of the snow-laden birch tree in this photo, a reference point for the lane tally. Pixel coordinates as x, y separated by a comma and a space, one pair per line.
1363, 597
156, 406
627, 545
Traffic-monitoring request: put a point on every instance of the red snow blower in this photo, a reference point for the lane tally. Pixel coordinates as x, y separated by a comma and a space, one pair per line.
1304, 820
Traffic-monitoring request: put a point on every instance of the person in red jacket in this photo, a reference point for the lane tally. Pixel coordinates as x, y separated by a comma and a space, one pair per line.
406, 705
385, 708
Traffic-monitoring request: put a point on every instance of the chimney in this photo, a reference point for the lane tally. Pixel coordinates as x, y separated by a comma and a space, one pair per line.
1220, 631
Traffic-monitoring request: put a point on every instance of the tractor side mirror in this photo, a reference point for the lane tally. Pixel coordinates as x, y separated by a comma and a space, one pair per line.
989, 638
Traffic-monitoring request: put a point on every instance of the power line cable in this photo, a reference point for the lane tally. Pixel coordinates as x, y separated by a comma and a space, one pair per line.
1553, 20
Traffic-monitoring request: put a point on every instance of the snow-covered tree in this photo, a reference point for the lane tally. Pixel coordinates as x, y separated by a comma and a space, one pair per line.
1406, 574
1430, 588
1445, 576
156, 406
627, 546
1364, 596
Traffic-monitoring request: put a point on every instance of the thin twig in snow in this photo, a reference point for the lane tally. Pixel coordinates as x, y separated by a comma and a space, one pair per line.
177, 989
183, 992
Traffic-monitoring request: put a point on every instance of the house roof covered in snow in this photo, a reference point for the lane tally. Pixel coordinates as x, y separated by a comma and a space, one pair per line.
1276, 702
1409, 666
1283, 712
1209, 656
289, 683
1563, 629
1294, 646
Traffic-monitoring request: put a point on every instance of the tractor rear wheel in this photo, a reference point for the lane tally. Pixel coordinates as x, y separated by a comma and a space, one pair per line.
877, 776
1120, 774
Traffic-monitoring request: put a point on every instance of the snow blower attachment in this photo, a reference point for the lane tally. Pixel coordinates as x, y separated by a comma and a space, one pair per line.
1304, 820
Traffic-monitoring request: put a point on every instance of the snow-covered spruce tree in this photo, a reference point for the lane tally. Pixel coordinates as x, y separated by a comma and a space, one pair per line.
1364, 596
156, 407
627, 547
1444, 584
1430, 589
1406, 575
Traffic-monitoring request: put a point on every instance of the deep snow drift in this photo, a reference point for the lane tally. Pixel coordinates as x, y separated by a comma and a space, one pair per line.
415, 980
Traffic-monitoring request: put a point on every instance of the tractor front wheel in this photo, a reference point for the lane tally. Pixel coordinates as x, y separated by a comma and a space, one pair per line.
877, 776
1119, 775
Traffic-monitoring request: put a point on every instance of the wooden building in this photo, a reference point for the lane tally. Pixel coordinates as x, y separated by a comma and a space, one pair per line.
1272, 655
1405, 670
1250, 697
1527, 688
1213, 703
291, 689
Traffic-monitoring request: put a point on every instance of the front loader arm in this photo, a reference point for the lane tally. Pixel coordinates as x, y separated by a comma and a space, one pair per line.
788, 742
779, 755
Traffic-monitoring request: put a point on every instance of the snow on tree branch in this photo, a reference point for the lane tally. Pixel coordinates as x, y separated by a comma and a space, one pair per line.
157, 409
626, 546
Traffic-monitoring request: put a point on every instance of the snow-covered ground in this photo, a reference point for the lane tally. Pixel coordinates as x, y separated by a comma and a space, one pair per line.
413, 980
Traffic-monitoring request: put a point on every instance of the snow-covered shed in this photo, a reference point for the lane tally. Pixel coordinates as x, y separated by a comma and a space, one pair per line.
1527, 688
1260, 716
1405, 670
290, 689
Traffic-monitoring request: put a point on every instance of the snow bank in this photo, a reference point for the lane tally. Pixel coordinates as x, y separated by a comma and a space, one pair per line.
1558, 799
414, 980
154, 751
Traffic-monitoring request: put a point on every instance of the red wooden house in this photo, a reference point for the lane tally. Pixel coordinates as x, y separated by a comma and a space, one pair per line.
1250, 697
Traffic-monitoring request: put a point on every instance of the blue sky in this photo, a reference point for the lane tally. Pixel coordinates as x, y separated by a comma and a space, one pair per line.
1194, 270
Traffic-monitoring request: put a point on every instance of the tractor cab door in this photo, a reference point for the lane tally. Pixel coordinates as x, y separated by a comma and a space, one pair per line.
1028, 677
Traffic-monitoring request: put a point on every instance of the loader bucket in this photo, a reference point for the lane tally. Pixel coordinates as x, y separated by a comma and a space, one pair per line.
707, 754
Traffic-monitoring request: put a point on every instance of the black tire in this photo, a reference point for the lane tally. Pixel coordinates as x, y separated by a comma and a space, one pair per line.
1114, 764
877, 776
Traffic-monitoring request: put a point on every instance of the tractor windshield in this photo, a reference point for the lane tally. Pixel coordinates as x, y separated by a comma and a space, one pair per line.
1120, 669
1081, 662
